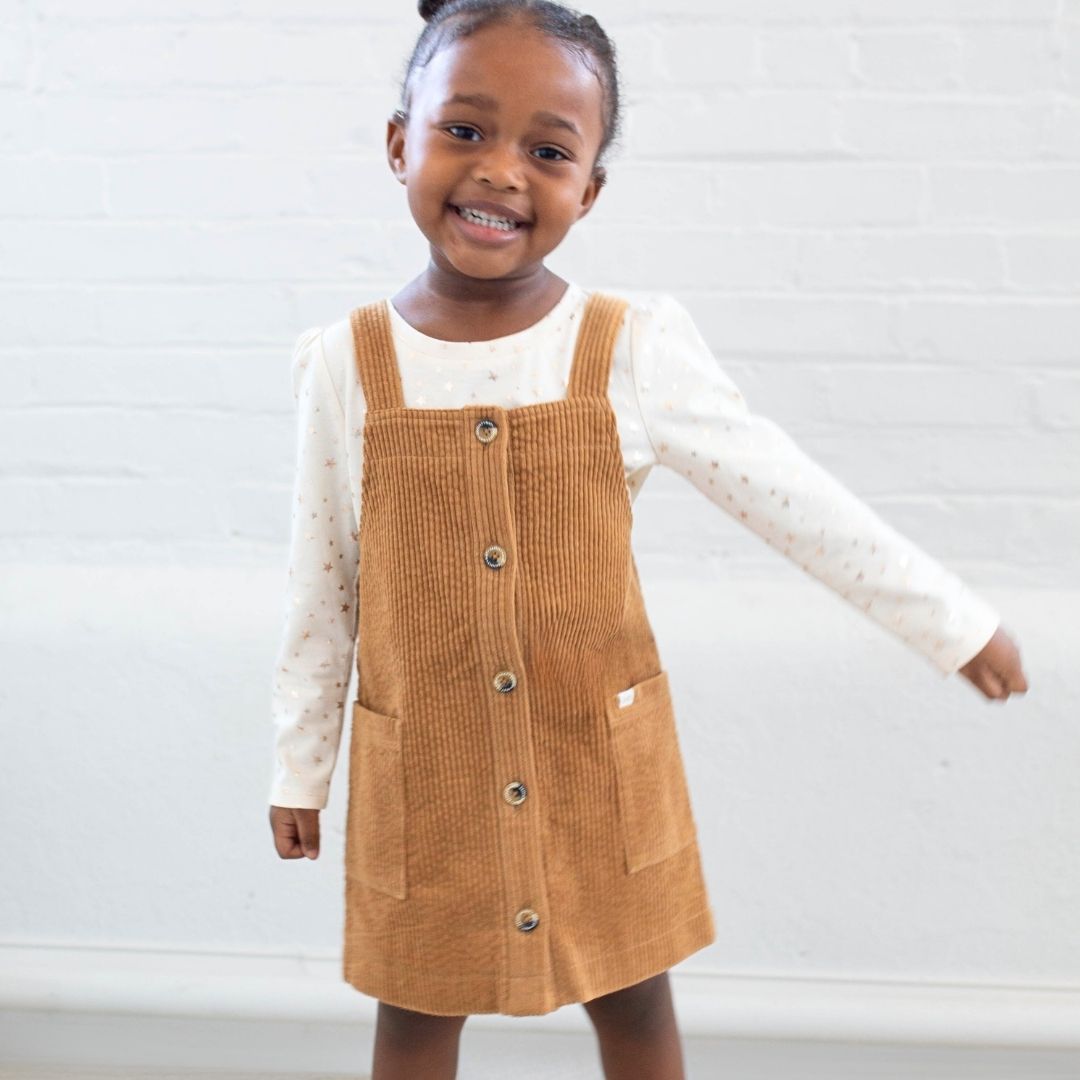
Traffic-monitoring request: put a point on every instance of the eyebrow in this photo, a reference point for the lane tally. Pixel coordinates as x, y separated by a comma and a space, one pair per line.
488, 104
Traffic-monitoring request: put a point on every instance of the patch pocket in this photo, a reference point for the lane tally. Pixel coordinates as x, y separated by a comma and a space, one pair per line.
655, 814
375, 824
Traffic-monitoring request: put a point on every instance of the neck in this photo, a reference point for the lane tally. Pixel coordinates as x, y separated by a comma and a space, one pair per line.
453, 289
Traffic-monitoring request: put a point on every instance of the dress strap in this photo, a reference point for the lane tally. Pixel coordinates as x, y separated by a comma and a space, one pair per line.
591, 367
380, 377
377, 368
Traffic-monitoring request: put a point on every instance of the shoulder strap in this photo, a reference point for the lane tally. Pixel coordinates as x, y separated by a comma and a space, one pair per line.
591, 367
377, 368
590, 370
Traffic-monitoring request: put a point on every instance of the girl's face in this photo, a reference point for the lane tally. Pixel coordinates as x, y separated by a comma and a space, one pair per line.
524, 143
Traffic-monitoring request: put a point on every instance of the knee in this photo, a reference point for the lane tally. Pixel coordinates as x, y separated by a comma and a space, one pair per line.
633, 1009
409, 1025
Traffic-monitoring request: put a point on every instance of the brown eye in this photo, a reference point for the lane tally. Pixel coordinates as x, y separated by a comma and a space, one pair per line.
460, 127
557, 151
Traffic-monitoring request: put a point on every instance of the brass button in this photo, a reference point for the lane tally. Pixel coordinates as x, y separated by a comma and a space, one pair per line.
526, 919
495, 556
486, 430
515, 792
505, 681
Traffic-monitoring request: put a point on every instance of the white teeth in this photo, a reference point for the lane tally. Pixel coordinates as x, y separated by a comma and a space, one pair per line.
486, 219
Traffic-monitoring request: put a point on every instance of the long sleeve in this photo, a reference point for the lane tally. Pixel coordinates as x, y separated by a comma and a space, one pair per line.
313, 665
701, 427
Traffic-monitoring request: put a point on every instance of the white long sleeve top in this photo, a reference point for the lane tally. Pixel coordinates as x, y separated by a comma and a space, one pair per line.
674, 406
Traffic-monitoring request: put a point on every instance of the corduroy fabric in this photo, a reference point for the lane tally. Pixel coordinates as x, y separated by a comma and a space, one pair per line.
446, 866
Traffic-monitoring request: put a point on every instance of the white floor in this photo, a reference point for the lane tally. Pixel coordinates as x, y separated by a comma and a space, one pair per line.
574, 1059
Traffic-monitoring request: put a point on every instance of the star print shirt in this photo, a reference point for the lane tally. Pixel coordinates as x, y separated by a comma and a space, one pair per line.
674, 406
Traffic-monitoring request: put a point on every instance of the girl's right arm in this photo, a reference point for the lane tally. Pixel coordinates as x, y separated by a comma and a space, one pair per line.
311, 674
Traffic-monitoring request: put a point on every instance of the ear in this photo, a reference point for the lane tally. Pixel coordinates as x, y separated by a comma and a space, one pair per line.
592, 190
395, 146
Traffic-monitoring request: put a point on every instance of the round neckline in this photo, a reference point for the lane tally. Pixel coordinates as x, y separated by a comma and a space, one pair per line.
417, 340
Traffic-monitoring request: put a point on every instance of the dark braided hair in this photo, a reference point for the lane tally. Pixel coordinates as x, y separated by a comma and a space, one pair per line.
448, 20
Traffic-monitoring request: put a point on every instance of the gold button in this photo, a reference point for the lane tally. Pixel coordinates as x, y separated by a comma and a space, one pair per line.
515, 792
505, 681
526, 919
486, 430
495, 556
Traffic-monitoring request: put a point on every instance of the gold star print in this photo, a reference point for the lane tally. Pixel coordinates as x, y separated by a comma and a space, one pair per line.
744, 478
306, 634
328, 566
355, 534
318, 760
344, 608
663, 448
492, 375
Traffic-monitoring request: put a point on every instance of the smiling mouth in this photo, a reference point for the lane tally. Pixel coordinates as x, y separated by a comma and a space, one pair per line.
489, 221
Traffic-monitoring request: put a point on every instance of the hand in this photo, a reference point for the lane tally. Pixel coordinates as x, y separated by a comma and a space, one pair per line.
296, 831
995, 669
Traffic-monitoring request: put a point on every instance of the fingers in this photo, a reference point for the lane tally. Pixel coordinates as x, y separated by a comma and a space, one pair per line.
999, 685
308, 828
296, 832
989, 683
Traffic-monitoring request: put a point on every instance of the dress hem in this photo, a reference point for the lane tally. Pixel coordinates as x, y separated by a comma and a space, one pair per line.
453, 995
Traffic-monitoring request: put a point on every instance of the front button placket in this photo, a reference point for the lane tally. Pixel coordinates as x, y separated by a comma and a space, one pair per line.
506, 692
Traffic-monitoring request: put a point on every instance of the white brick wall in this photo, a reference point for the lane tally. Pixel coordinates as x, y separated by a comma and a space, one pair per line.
866, 188
872, 208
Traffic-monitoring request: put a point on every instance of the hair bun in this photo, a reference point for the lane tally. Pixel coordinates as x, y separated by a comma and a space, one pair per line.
430, 8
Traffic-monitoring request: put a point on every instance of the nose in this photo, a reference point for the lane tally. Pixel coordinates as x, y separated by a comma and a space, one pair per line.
500, 167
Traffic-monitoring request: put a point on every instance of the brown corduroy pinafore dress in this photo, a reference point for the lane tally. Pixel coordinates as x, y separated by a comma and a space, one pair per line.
519, 833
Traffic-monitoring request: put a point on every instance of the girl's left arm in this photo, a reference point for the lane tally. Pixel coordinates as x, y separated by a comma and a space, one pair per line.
701, 427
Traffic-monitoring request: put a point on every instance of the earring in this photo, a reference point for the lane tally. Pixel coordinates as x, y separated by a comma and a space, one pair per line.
399, 116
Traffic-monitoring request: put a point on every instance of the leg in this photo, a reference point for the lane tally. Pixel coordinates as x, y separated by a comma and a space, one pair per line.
638, 1033
409, 1044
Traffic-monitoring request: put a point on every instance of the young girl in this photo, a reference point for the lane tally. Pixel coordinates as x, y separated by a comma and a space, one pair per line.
519, 834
